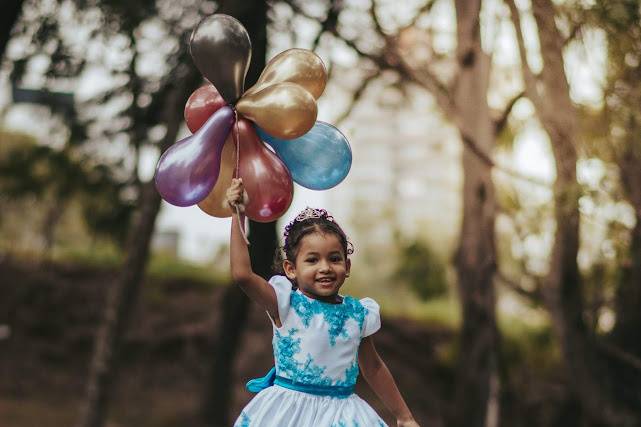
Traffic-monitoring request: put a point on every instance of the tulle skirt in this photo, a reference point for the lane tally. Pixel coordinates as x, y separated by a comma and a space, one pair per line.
277, 406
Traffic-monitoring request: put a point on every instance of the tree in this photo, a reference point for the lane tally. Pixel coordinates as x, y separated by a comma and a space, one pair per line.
151, 100
563, 286
463, 101
421, 269
622, 20
56, 178
614, 133
217, 396
165, 102
11, 13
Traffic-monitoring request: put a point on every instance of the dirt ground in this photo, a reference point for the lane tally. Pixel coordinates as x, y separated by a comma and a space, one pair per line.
49, 314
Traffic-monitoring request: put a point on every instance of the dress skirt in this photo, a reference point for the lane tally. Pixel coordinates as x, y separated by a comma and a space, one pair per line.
278, 406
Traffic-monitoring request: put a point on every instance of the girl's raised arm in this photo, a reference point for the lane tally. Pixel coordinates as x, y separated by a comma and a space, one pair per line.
256, 288
381, 381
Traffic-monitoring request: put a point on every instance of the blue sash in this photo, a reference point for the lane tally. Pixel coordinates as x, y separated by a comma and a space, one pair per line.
258, 384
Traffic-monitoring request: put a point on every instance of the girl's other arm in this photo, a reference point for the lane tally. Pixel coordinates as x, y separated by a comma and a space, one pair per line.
381, 381
256, 288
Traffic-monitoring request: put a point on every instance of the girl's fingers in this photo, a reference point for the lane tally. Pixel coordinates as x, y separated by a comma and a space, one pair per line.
236, 194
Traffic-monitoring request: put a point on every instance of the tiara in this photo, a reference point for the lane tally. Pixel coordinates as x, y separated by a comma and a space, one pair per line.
311, 213
308, 213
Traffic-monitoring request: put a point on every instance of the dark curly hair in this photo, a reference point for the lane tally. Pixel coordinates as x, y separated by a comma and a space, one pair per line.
300, 227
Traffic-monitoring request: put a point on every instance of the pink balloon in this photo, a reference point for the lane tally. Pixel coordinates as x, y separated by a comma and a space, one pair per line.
204, 102
266, 179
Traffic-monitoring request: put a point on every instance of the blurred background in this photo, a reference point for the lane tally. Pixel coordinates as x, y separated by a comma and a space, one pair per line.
494, 202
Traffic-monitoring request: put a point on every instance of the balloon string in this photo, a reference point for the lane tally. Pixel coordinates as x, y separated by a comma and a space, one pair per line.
241, 219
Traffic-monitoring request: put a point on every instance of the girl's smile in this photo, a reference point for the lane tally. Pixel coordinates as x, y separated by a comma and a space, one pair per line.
320, 267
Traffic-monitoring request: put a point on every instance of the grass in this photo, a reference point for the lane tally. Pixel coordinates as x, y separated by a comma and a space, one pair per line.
160, 267
523, 338
164, 267
99, 256
442, 311
532, 344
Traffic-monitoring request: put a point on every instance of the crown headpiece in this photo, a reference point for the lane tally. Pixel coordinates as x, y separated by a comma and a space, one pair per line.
311, 213
308, 213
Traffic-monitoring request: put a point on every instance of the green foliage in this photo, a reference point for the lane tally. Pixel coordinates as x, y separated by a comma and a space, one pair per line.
528, 346
103, 256
36, 169
421, 270
618, 15
30, 170
106, 210
164, 267
161, 268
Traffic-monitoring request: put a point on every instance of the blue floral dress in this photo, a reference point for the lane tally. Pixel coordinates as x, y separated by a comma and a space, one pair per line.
316, 357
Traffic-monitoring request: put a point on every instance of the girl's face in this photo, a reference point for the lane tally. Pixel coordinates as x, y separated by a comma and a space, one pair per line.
320, 267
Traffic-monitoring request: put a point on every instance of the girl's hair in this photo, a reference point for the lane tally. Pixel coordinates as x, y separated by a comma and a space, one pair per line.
307, 222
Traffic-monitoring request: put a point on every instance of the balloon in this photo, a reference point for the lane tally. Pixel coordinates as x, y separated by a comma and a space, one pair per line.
318, 160
267, 180
201, 105
300, 66
188, 170
284, 110
213, 204
221, 49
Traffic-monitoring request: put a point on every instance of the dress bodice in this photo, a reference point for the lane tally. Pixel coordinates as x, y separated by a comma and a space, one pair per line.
318, 342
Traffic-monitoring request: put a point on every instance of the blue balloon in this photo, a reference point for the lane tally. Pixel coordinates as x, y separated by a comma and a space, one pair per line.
318, 160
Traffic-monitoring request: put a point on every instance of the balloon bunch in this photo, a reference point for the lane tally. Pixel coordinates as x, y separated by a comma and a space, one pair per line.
229, 126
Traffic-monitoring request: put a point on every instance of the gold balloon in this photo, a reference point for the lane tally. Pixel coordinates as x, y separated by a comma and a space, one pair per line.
284, 110
300, 66
214, 203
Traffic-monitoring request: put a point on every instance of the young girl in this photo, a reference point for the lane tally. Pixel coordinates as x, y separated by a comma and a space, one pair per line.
321, 338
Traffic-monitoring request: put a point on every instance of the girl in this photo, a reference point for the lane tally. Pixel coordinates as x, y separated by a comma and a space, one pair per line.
321, 338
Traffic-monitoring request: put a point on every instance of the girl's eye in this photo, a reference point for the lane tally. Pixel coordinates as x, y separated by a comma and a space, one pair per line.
336, 259
310, 260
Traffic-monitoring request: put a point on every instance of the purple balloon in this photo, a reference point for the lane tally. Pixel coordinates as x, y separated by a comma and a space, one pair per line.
187, 172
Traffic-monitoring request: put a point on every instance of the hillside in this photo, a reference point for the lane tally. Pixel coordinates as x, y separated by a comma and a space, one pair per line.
48, 317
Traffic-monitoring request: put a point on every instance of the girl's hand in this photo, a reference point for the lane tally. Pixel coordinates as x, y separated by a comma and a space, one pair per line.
236, 195
407, 423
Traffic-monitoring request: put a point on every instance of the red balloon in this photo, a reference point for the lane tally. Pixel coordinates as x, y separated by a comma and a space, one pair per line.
266, 179
201, 105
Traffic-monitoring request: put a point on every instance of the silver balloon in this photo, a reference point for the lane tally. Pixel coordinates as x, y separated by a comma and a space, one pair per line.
221, 49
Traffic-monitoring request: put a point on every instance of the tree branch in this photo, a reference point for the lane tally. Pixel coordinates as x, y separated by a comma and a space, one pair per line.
427, 7
428, 80
529, 77
534, 295
499, 124
391, 59
355, 98
330, 21
377, 23
619, 354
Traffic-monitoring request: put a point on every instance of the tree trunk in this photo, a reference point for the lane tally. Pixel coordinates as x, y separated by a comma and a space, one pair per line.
123, 292
628, 297
563, 285
218, 393
476, 257
53, 215
11, 11
218, 396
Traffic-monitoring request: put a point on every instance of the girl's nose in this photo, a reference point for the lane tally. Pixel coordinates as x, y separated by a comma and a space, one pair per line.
324, 266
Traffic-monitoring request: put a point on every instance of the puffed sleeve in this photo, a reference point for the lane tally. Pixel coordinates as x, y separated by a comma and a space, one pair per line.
372, 322
283, 288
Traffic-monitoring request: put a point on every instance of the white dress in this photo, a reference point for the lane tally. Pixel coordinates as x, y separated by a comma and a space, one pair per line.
316, 358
